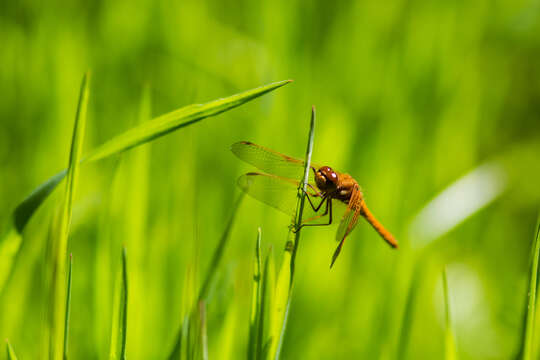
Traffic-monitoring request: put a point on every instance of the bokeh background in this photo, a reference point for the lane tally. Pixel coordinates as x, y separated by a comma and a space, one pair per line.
425, 103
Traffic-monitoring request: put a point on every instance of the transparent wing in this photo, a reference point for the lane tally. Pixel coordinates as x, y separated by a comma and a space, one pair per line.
269, 161
281, 194
350, 217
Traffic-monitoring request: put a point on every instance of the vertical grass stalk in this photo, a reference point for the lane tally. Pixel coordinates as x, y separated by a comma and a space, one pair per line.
10, 352
203, 337
449, 339
57, 311
278, 320
119, 323
528, 338
68, 307
255, 317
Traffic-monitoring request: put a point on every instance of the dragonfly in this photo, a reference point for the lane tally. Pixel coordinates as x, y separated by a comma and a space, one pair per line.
277, 184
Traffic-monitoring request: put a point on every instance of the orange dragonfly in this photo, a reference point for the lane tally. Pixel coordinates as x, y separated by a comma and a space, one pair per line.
278, 181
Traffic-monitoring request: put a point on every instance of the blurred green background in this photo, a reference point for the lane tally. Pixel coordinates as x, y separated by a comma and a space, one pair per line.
411, 96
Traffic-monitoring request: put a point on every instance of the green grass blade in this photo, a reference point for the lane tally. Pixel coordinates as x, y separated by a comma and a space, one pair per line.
162, 125
203, 338
219, 251
528, 337
408, 312
189, 292
183, 334
280, 306
267, 298
255, 316
58, 288
175, 120
135, 226
450, 207
449, 339
68, 307
10, 352
119, 323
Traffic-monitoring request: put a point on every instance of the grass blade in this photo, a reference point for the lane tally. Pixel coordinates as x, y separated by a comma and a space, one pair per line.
218, 253
267, 298
58, 292
10, 241
203, 338
119, 323
175, 120
255, 317
10, 352
203, 292
408, 313
449, 339
465, 197
188, 296
68, 307
280, 306
528, 337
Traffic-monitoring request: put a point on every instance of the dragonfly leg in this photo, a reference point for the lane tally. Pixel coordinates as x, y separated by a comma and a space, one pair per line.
328, 211
316, 193
316, 208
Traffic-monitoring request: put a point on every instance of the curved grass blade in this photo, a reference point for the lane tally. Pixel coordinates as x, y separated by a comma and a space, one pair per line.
175, 120
529, 329
180, 338
10, 352
68, 307
449, 339
255, 317
119, 323
280, 307
463, 198
58, 289
218, 253
162, 125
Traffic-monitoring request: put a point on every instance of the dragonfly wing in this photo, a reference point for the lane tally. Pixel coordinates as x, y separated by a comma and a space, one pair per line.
275, 191
280, 193
269, 161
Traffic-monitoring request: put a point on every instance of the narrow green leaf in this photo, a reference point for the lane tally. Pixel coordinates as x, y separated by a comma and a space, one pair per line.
119, 321
11, 240
408, 313
255, 316
175, 120
135, 200
68, 307
528, 337
203, 338
180, 338
219, 251
181, 348
267, 296
449, 340
10, 352
58, 289
280, 306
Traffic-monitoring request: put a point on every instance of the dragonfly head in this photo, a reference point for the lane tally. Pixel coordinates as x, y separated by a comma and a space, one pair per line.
326, 179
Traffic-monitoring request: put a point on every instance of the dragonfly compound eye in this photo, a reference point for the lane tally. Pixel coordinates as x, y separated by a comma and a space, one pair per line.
326, 178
